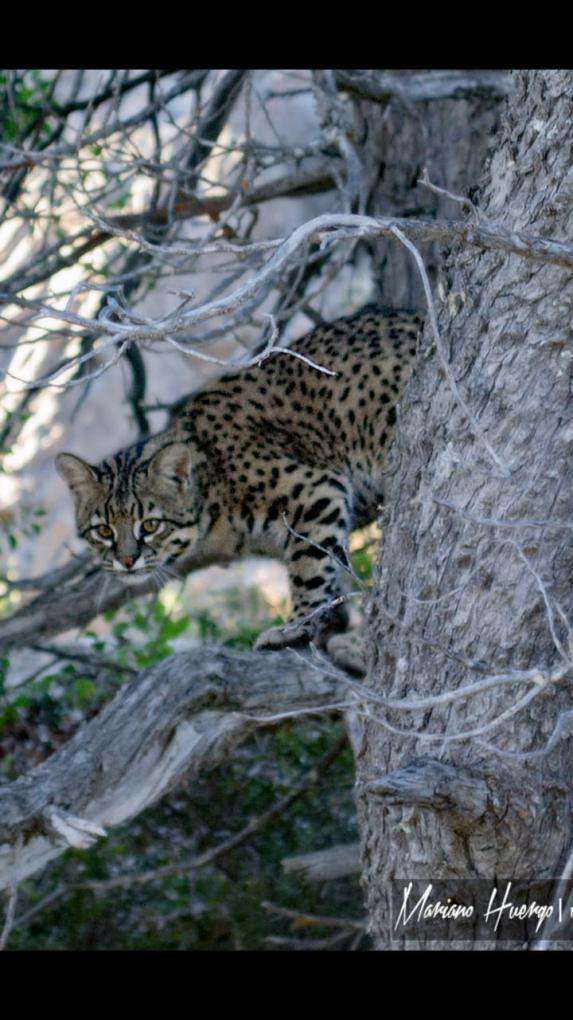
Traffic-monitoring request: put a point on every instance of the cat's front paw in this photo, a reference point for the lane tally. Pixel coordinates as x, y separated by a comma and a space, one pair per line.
349, 651
291, 635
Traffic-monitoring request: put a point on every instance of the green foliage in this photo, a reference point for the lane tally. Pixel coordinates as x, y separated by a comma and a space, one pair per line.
363, 553
24, 105
24, 520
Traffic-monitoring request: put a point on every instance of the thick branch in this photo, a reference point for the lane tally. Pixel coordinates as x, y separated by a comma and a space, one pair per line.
62, 607
181, 715
382, 86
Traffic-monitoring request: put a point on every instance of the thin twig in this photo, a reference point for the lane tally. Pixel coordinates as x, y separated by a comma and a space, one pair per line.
477, 429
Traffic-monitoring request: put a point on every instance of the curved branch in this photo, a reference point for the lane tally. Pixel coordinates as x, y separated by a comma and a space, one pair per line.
62, 606
182, 715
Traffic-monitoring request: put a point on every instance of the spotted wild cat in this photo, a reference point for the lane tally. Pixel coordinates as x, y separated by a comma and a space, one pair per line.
277, 460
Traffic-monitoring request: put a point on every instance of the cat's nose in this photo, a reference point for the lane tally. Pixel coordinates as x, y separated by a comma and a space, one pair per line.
126, 561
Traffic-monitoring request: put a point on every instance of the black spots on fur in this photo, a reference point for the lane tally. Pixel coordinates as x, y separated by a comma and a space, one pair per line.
391, 416
338, 485
351, 417
247, 515
214, 512
333, 545
297, 490
316, 509
309, 584
356, 368
376, 369
344, 394
313, 582
332, 518
257, 404
297, 516
290, 468
384, 398
312, 552
277, 506
297, 406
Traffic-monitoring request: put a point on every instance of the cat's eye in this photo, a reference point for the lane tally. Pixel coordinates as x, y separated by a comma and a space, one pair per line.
150, 526
105, 531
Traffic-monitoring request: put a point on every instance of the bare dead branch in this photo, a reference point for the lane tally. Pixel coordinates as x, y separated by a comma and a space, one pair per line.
381, 87
326, 865
182, 715
213, 854
302, 920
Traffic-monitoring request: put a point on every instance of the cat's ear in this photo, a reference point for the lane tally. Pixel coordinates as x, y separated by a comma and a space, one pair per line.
172, 466
80, 476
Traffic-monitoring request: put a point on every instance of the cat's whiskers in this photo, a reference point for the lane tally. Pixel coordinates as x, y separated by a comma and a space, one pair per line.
162, 575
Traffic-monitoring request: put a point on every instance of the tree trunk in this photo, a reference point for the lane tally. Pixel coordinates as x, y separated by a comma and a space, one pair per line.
474, 578
401, 138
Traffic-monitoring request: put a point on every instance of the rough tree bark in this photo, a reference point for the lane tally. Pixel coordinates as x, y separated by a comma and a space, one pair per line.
403, 132
474, 576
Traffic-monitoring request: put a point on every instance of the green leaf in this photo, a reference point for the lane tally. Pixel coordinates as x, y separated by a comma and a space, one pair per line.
173, 628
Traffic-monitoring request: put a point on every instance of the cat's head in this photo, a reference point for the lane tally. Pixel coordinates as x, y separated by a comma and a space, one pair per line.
133, 509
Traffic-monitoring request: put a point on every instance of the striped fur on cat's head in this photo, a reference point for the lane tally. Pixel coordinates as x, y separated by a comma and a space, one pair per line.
134, 509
